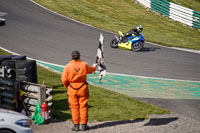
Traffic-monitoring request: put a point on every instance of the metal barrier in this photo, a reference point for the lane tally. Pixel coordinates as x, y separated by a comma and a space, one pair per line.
174, 11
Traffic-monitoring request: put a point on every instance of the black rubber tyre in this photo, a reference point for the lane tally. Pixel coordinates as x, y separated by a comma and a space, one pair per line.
8, 63
21, 64
5, 57
26, 70
137, 47
114, 43
19, 57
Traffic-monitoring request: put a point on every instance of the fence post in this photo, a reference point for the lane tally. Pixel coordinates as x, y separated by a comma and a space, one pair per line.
41, 94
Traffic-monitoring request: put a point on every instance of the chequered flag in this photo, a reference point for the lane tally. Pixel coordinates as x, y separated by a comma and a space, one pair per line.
100, 58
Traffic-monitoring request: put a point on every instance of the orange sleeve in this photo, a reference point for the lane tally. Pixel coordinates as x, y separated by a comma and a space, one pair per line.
90, 69
64, 78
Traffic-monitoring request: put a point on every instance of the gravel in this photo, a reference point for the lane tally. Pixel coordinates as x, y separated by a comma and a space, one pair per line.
169, 123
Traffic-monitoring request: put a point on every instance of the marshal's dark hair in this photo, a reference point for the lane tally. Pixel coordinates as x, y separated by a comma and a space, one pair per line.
75, 55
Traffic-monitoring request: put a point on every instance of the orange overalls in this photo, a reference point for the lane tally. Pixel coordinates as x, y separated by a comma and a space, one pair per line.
74, 78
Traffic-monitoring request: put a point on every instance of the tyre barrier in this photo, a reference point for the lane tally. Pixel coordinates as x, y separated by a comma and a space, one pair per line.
11, 57
19, 90
8, 68
7, 93
8, 61
5, 57
17, 67
26, 70
23, 96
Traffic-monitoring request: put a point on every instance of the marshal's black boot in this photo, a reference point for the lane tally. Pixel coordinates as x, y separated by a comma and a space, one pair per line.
84, 127
75, 127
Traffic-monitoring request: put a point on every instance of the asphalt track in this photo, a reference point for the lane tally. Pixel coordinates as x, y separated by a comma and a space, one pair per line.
40, 34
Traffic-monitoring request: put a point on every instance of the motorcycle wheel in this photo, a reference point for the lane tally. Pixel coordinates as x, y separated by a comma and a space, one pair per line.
114, 43
137, 46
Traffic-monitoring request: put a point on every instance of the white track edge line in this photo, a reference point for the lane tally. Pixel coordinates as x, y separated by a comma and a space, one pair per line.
181, 49
188, 50
107, 72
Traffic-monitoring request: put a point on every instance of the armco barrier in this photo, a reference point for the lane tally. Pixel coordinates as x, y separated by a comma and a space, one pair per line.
174, 11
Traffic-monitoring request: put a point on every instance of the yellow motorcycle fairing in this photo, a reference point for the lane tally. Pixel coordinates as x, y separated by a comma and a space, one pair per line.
120, 33
126, 45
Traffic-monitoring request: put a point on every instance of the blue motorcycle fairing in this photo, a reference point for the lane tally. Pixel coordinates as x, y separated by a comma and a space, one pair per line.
131, 40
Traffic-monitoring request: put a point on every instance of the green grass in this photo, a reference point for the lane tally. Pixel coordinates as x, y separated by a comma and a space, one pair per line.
104, 105
115, 15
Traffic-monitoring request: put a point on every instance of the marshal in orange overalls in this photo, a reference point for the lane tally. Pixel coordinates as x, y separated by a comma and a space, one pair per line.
74, 78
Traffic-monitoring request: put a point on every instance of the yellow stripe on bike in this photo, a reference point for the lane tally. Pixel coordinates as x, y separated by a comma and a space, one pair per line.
126, 45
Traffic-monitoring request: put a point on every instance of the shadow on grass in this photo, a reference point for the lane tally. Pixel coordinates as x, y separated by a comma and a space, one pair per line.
114, 123
57, 86
160, 121
59, 89
59, 92
58, 111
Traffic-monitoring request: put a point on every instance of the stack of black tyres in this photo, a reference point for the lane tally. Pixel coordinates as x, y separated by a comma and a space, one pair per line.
21, 70
5, 57
11, 57
11, 65
26, 70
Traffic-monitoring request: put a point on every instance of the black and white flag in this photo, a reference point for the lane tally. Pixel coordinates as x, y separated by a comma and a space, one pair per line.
100, 58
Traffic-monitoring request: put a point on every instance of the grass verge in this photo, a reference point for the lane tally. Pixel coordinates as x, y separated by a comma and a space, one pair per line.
123, 15
104, 105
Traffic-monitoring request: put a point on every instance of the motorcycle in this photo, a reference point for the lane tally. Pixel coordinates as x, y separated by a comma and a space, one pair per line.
134, 43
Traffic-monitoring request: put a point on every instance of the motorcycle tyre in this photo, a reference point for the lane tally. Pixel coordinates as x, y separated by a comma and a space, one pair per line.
133, 48
114, 43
